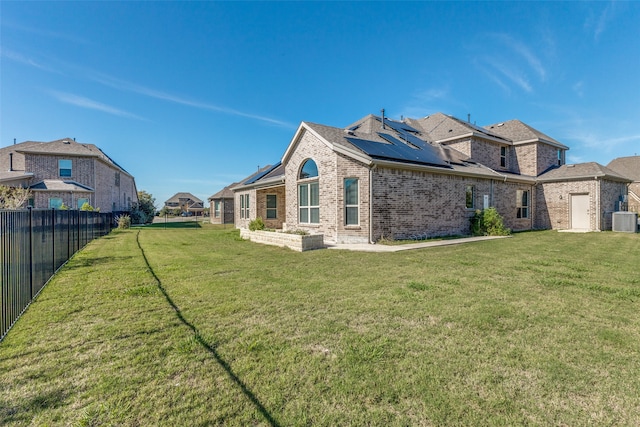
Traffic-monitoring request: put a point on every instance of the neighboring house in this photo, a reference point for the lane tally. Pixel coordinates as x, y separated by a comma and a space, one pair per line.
70, 173
630, 168
187, 203
380, 178
221, 209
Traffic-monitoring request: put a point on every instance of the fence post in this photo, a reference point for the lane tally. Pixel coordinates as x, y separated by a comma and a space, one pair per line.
30, 253
53, 240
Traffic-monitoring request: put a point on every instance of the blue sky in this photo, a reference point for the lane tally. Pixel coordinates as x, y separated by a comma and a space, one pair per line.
191, 96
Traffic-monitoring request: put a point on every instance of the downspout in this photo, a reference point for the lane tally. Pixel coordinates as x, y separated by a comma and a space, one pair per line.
371, 203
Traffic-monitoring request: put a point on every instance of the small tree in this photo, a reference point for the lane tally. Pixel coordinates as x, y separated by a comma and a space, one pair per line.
488, 222
143, 211
13, 197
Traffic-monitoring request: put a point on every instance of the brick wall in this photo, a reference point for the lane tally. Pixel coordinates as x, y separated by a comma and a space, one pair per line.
554, 203
416, 203
226, 211
86, 171
610, 194
309, 147
244, 222
281, 210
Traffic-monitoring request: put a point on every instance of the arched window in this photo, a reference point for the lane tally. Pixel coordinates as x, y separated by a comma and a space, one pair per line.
309, 194
309, 170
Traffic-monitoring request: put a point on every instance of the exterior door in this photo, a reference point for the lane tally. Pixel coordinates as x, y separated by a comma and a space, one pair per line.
580, 212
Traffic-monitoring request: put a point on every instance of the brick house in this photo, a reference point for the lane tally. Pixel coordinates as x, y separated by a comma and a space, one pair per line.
186, 203
629, 167
381, 178
221, 209
67, 172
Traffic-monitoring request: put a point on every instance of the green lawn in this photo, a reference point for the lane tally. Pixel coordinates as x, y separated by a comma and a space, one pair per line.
194, 327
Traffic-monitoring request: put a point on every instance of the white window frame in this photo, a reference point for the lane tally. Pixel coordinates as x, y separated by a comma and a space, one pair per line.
523, 209
309, 209
216, 208
504, 152
352, 206
244, 206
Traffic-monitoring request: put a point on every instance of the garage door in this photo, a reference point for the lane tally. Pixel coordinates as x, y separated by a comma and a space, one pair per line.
580, 212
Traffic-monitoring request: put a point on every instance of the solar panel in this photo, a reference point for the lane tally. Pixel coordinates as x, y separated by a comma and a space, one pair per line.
260, 174
399, 151
398, 126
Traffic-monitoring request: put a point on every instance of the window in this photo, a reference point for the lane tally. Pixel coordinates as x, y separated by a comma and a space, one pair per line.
216, 209
503, 157
470, 197
272, 206
309, 194
81, 202
117, 179
560, 157
244, 206
309, 203
55, 203
309, 170
64, 168
31, 202
522, 204
351, 207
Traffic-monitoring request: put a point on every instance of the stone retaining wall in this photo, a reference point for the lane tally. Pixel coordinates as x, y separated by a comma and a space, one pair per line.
296, 242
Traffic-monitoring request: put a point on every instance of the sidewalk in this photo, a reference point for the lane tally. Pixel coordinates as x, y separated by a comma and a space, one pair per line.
363, 247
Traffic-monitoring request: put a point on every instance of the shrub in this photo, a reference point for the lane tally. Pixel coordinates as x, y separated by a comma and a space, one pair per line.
124, 221
488, 222
256, 224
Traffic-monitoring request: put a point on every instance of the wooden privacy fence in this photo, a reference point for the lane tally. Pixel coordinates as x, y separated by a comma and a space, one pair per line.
34, 244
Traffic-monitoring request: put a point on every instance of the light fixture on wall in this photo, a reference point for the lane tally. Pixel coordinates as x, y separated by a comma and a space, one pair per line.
561, 197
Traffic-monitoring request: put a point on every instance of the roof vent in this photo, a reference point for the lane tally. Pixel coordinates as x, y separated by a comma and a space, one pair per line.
570, 166
66, 141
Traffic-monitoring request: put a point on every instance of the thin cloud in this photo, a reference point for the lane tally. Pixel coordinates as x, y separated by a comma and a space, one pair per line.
604, 19
524, 51
510, 62
152, 93
18, 57
82, 102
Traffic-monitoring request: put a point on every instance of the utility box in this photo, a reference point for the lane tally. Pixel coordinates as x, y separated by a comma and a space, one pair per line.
626, 222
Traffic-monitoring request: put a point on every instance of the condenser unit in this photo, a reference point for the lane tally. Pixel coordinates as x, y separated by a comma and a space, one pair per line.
625, 221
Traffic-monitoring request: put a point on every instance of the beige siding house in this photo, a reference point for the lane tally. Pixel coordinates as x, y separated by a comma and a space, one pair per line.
419, 178
70, 173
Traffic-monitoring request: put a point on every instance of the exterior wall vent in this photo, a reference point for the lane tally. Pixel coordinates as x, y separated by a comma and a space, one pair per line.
626, 222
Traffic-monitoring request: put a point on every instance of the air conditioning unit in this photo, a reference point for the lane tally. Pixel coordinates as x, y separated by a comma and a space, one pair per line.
625, 222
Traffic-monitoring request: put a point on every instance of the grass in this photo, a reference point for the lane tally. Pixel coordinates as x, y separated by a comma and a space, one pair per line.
192, 326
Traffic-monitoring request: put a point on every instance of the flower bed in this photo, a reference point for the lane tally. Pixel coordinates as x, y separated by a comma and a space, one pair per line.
296, 242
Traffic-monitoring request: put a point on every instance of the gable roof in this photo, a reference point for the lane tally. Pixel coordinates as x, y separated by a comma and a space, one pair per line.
225, 193
589, 170
441, 127
65, 146
176, 198
60, 185
626, 166
521, 133
370, 139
